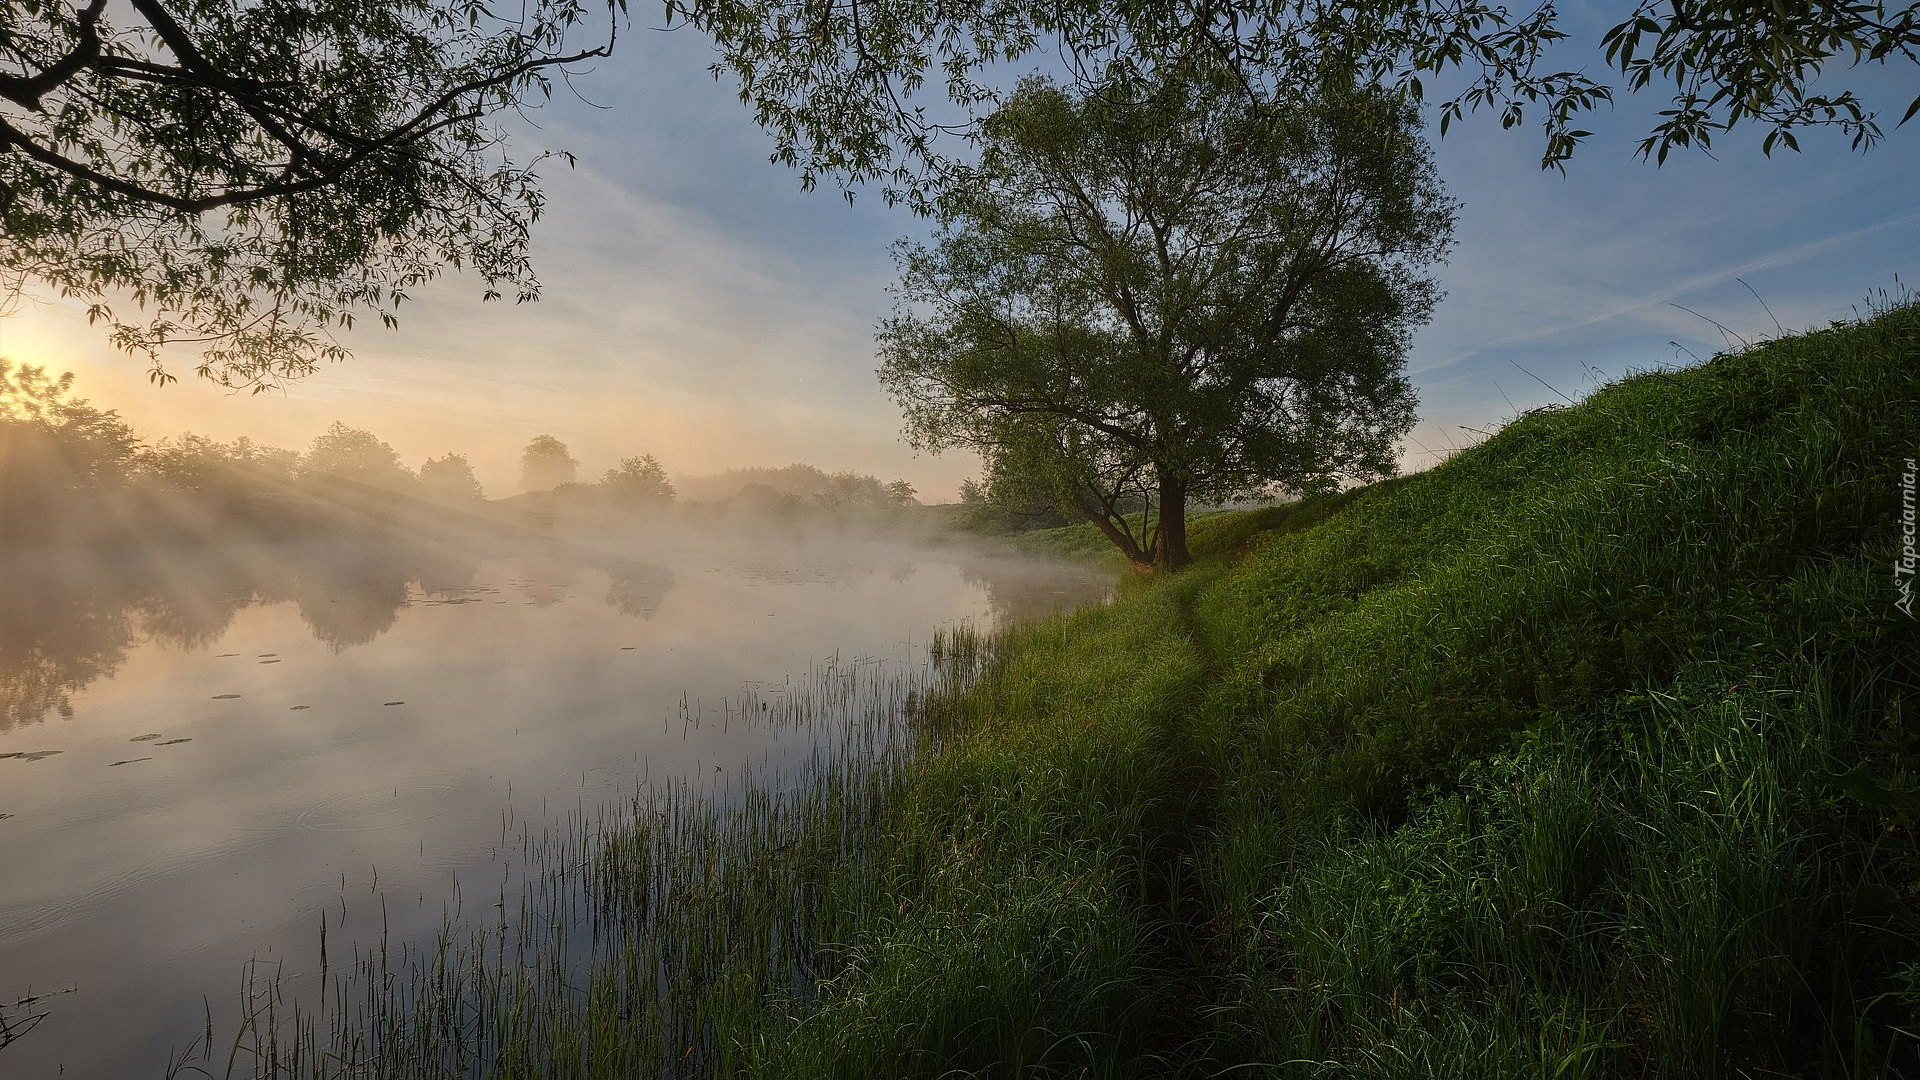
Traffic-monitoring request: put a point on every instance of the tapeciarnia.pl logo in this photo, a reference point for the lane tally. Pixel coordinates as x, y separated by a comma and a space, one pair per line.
1903, 567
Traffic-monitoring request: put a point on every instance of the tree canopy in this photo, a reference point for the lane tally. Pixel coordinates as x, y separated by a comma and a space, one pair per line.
56, 449
451, 477
356, 454
638, 481
1173, 291
546, 464
255, 176
840, 83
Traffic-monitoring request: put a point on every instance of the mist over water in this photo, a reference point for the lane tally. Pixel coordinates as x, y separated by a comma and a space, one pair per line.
207, 748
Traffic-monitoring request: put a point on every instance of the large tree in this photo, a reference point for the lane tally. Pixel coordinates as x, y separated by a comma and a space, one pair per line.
840, 84
252, 176
1174, 284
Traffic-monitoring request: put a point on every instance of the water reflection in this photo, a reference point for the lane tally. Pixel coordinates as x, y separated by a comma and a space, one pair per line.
68, 622
548, 582
207, 802
637, 589
59, 633
1017, 590
344, 605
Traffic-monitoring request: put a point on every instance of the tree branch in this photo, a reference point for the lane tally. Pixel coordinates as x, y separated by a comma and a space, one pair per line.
26, 91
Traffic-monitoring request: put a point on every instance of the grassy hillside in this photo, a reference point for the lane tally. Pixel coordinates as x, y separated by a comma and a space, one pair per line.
1585, 754
1221, 533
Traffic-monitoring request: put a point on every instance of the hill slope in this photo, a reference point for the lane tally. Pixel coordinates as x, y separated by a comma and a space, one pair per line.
1583, 754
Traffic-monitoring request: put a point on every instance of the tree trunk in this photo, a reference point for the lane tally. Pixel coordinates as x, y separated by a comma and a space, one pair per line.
1170, 546
1141, 561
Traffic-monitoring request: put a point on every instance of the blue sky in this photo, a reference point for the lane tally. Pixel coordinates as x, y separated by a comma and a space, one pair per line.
700, 307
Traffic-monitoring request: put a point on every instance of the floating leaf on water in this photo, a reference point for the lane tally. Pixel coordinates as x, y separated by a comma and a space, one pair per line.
148, 737
129, 761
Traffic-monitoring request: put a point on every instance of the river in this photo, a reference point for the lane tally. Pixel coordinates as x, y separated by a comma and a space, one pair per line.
204, 754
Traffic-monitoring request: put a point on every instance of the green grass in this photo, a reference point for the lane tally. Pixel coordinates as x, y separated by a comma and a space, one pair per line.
1585, 754
1077, 541
1210, 533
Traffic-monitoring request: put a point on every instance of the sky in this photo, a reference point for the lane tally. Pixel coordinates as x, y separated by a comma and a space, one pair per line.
700, 307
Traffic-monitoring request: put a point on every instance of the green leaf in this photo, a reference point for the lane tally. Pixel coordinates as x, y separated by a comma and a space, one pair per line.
1909, 114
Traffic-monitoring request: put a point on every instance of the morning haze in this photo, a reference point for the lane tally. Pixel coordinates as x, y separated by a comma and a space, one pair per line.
244, 683
887, 539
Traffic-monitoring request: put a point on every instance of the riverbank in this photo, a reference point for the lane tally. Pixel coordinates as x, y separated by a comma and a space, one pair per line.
1584, 754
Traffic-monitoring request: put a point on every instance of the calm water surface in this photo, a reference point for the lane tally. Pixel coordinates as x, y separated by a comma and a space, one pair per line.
204, 754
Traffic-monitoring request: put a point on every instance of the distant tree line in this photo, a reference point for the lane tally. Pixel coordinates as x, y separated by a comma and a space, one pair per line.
71, 471
800, 486
549, 476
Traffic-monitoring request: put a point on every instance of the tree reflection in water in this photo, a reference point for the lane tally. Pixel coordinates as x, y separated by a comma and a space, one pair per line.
68, 621
637, 589
57, 634
1019, 589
